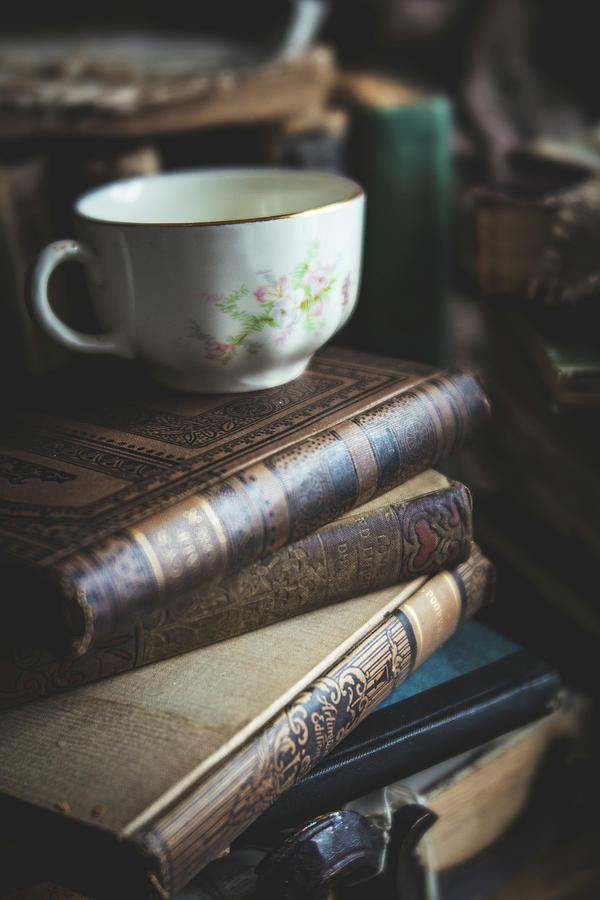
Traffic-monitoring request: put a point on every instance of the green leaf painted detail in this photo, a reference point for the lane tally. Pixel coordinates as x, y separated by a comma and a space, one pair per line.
292, 301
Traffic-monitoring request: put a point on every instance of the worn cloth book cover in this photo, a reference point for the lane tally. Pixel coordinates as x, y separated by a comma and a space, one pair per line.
417, 528
499, 809
113, 504
153, 773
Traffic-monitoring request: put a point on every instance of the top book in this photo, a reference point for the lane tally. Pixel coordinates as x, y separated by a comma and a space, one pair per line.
115, 502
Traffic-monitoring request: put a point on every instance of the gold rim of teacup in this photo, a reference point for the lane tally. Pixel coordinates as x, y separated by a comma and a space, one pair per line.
359, 192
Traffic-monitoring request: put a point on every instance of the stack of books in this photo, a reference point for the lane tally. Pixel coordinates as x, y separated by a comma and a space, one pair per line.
538, 512
257, 574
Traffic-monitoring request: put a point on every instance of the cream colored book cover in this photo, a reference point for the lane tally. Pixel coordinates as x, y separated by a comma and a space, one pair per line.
158, 769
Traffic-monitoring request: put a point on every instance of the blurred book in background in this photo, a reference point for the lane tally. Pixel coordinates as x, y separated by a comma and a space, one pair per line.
400, 149
535, 470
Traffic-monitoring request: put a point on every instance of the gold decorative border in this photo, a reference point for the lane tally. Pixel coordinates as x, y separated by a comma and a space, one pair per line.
358, 192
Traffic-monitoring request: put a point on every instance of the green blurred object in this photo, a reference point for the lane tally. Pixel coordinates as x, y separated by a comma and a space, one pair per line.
400, 151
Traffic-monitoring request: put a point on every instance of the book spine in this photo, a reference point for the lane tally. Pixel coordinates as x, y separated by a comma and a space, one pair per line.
379, 546
425, 730
269, 504
204, 822
402, 155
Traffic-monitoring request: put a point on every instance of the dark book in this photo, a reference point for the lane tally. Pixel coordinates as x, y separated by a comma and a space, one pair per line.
129, 786
416, 529
499, 803
494, 809
459, 829
400, 150
477, 687
507, 722
547, 576
541, 452
117, 501
561, 351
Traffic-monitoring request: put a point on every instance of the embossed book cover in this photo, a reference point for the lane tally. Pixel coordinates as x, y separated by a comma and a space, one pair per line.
129, 786
113, 504
417, 528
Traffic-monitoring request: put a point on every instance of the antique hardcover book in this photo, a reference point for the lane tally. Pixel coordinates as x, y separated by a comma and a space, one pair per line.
496, 808
479, 802
129, 786
114, 504
479, 686
415, 529
548, 457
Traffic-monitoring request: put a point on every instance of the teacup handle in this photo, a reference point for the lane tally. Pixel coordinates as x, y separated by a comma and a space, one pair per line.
52, 256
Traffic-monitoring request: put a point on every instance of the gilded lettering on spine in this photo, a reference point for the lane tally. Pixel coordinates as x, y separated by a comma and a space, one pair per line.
270, 503
221, 807
388, 542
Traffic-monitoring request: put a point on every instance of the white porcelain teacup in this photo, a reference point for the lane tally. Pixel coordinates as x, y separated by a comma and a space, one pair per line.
215, 279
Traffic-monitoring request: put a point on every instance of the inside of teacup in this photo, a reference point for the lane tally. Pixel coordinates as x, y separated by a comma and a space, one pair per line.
215, 196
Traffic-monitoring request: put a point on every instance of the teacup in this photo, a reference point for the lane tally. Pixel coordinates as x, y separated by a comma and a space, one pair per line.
217, 280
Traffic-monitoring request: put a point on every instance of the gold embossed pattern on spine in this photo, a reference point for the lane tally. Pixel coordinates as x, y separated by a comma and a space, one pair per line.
272, 502
222, 806
413, 530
